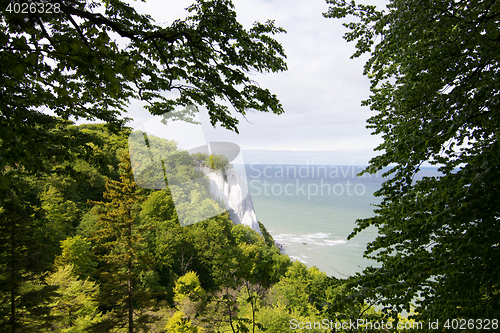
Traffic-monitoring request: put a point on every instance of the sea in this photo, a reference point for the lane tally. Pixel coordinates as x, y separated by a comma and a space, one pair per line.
312, 209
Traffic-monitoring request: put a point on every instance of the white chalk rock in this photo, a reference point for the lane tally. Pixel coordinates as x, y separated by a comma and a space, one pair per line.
227, 186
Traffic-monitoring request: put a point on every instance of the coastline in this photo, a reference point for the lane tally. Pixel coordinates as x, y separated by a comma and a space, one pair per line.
280, 247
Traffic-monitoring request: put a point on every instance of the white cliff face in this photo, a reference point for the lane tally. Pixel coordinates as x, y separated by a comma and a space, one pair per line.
229, 187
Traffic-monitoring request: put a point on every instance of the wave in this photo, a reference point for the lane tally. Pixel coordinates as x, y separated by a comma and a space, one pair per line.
299, 258
335, 242
319, 238
318, 235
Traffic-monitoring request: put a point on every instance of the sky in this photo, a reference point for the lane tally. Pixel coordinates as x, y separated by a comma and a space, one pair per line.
324, 122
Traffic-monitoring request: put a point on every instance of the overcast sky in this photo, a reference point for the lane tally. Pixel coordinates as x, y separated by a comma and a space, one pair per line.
321, 92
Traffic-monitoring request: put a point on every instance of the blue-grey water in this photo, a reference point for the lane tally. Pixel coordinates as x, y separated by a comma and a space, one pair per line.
311, 209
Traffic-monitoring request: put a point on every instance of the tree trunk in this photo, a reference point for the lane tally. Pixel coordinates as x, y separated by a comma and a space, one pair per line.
12, 278
129, 283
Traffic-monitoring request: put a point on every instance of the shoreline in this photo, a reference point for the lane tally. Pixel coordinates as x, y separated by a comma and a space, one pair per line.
281, 247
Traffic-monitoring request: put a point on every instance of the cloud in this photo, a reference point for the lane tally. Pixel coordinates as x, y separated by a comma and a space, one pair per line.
321, 92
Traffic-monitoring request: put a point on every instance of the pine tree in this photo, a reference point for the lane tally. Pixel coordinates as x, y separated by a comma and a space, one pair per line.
118, 250
23, 257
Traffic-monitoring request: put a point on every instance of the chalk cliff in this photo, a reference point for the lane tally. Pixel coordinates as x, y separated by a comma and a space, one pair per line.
228, 186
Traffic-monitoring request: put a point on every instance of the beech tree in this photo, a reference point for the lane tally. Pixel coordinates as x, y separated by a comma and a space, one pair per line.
434, 72
88, 58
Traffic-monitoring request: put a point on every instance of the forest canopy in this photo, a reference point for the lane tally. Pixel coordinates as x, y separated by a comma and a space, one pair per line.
100, 254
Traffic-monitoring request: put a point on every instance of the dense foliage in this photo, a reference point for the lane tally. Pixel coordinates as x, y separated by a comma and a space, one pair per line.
434, 69
104, 255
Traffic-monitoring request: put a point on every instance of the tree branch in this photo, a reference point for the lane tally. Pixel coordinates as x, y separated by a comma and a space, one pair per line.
78, 30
